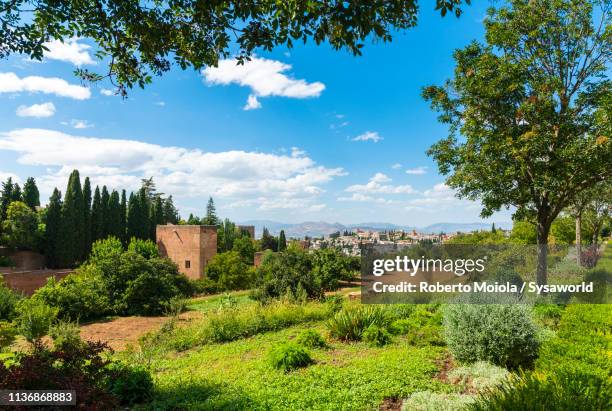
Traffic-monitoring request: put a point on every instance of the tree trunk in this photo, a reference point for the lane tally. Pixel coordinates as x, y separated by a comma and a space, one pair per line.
578, 240
596, 230
543, 228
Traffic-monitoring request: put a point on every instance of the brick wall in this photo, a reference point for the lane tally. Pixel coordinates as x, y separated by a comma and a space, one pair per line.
29, 281
191, 247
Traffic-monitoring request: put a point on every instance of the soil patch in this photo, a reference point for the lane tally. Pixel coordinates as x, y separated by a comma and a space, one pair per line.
391, 404
123, 331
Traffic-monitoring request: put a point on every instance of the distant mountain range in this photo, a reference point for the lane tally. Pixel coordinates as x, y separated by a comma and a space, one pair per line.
322, 228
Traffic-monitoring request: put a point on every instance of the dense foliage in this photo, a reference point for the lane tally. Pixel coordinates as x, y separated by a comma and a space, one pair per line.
503, 334
533, 114
66, 229
141, 40
289, 356
296, 270
229, 271
115, 281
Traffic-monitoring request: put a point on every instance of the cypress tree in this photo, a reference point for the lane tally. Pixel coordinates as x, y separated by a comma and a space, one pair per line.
96, 216
171, 215
72, 227
53, 243
31, 196
114, 215
157, 217
16, 193
282, 241
87, 214
6, 198
123, 217
104, 203
211, 213
144, 210
133, 215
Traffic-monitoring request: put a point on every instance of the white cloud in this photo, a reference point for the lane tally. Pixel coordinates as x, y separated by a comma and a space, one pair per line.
36, 110
11, 83
70, 50
417, 171
368, 136
6, 175
376, 184
160, 103
247, 179
439, 198
358, 197
396, 166
264, 77
107, 92
252, 103
80, 124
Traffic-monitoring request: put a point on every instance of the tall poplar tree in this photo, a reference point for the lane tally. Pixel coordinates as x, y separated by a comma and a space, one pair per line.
53, 230
30, 195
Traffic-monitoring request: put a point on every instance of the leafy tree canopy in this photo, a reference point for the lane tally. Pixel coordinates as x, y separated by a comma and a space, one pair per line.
139, 39
529, 111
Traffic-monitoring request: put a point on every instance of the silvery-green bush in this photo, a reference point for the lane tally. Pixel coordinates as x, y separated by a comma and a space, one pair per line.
503, 334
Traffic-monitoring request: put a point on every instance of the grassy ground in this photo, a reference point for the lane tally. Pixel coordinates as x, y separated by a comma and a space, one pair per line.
237, 375
211, 302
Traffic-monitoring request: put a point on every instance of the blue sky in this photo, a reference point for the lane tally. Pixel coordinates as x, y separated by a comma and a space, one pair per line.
328, 136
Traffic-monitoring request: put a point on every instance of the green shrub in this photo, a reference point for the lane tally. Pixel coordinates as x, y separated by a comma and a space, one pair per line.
289, 356
376, 336
34, 318
130, 384
8, 332
65, 335
152, 287
330, 266
146, 248
229, 271
281, 271
311, 339
350, 323
425, 335
503, 334
8, 301
81, 296
204, 286
401, 327
560, 392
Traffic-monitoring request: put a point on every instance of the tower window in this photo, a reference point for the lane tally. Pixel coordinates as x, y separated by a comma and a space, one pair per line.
187, 264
